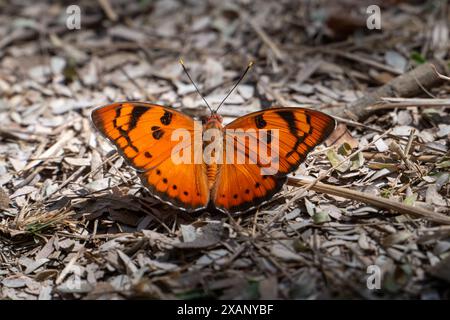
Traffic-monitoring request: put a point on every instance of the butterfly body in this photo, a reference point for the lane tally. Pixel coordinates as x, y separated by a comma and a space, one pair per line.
149, 136
213, 125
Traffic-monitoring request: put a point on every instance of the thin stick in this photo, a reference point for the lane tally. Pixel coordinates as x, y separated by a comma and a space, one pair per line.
410, 142
69, 266
372, 200
147, 96
391, 103
266, 39
416, 101
443, 77
109, 11
357, 58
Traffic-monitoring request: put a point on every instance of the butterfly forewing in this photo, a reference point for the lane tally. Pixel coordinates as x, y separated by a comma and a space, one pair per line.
142, 133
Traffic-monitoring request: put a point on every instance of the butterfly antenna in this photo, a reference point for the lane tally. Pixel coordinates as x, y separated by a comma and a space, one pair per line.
250, 64
195, 86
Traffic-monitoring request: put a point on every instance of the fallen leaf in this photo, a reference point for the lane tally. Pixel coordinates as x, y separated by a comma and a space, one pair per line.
441, 270
280, 251
342, 135
4, 199
211, 235
188, 232
433, 197
16, 281
321, 217
78, 162
395, 238
337, 161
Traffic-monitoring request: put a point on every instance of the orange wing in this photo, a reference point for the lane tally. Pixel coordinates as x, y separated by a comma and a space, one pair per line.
142, 133
242, 187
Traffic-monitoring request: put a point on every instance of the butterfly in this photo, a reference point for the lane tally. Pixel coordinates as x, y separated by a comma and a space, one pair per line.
143, 135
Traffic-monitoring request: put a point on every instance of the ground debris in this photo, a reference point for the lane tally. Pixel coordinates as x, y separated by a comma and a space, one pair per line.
77, 223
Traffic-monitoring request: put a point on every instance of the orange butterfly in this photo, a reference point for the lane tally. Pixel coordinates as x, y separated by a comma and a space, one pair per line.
143, 134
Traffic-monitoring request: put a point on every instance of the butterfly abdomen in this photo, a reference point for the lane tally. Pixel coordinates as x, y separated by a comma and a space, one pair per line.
212, 142
211, 173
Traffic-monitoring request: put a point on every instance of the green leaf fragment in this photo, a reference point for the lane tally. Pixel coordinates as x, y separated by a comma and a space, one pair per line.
321, 217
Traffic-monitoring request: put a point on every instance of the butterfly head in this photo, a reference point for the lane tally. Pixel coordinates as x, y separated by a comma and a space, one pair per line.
214, 120
215, 117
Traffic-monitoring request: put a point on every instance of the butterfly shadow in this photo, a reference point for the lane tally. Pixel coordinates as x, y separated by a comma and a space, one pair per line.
125, 213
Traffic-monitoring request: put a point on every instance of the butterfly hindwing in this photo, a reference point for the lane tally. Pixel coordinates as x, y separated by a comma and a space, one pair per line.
142, 133
240, 187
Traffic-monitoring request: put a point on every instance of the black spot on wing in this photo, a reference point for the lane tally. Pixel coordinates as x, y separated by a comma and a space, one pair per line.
289, 118
118, 111
136, 113
260, 122
123, 133
297, 144
158, 134
308, 120
166, 119
132, 146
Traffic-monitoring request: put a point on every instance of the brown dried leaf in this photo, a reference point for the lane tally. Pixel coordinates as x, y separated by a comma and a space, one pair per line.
4, 199
212, 234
